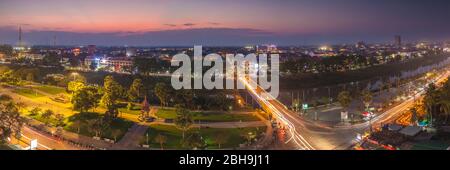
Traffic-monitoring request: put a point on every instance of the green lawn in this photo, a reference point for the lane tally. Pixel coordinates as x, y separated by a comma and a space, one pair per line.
133, 112
208, 116
119, 124
51, 89
4, 147
430, 145
51, 121
234, 136
30, 93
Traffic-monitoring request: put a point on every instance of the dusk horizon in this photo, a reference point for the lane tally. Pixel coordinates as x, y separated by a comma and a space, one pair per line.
218, 23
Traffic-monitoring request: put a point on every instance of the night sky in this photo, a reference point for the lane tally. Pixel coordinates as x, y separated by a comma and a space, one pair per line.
222, 22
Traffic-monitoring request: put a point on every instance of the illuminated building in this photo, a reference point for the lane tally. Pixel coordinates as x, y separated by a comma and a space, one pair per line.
76, 51
130, 52
113, 64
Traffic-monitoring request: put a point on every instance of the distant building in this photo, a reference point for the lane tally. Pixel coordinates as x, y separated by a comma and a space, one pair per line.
250, 47
446, 49
91, 49
113, 64
270, 48
361, 45
34, 57
2, 57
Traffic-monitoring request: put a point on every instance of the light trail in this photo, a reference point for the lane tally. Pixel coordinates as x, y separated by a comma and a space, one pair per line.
298, 139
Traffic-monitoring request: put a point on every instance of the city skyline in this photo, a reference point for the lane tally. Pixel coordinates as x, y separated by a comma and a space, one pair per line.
219, 75
221, 23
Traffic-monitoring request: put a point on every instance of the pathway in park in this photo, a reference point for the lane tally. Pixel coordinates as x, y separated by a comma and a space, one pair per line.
130, 140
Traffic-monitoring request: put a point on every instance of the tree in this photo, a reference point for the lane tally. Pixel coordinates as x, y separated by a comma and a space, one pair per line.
51, 59
4, 98
136, 91
414, 116
222, 102
10, 120
59, 120
344, 98
430, 100
184, 97
30, 77
86, 98
74, 86
10, 78
296, 104
74, 61
366, 97
35, 111
76, 125
444, 107
183, 121
97, 126
194, 141
145, 65
6, 49
162, 92
145, 109
47, 115
221, 138
112, 92
161, 139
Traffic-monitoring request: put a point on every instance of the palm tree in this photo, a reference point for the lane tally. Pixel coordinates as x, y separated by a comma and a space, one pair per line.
161, 139
366, 97
344, 98
162, 92
430, 100
296, 104
444, 107
47, 115
414, 116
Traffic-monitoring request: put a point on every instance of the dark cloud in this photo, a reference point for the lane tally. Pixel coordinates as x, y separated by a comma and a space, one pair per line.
189, 24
